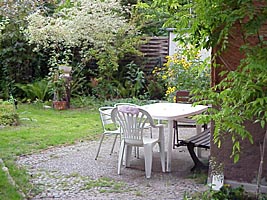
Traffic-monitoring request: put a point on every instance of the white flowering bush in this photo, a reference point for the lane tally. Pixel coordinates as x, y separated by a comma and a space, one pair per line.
95, 27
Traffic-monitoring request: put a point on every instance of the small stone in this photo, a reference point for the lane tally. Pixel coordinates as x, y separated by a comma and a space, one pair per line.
5, 169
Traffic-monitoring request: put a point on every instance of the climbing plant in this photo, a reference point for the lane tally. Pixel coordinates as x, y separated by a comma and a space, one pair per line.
241, 95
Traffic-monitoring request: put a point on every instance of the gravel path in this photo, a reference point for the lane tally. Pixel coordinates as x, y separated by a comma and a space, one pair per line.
72, 173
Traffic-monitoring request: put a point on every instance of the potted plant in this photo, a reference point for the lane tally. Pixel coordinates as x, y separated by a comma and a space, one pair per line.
57, 83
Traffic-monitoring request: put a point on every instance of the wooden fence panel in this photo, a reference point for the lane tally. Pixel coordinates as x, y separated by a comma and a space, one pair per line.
155, 51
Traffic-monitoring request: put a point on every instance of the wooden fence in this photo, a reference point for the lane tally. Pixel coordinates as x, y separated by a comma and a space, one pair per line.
155, 51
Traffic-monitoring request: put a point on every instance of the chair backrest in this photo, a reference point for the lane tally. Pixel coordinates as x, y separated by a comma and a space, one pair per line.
133, 122
105, 116
183, 96
125, 104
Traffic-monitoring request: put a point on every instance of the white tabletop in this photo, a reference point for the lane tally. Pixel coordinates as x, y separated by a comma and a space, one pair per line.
171, 111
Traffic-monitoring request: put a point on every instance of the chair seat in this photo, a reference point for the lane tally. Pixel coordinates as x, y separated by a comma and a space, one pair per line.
147, 140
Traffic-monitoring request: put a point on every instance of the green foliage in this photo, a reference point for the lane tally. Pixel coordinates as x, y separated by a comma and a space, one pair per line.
150, 19
107, 89
19, 64
185, 70
128, 82
226, 192
129, 100
37, 90
241, 95
133, 81
155, 88
50, 33
82, 101
8, 114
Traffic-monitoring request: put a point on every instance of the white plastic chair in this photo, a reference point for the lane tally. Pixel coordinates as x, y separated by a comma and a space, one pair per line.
147, 126
109, 128
132, 121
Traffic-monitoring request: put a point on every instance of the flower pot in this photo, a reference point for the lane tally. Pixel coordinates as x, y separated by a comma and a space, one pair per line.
60, 105
217, 181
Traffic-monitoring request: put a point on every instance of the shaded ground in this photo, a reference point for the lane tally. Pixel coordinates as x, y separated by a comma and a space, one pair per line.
72, 173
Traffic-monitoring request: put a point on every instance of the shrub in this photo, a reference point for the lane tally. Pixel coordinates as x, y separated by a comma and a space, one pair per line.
185, 70
8, 115
36, 90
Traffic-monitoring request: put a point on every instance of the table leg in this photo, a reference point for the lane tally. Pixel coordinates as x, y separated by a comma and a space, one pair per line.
169, 145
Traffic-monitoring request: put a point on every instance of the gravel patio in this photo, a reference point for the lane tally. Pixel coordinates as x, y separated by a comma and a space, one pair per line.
72, 173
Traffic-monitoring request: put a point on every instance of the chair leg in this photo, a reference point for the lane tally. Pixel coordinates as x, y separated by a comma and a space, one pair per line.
148, 159
136, 152
128, 155
121, 153
113, 144
99, 146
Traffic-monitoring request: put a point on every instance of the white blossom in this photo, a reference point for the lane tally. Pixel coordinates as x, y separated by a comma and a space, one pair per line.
94, 23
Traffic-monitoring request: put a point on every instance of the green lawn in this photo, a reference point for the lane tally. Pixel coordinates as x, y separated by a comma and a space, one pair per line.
40, 129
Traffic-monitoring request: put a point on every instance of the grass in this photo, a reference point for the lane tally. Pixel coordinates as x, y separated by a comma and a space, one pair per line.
41, 129
7, 191
106, 185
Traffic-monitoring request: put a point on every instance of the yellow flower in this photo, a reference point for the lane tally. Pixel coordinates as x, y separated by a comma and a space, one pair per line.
168, 57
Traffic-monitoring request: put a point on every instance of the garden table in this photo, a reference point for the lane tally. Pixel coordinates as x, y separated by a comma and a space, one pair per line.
170, 112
